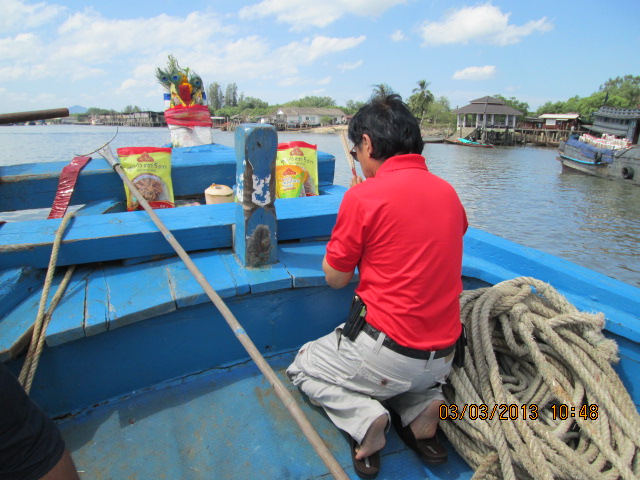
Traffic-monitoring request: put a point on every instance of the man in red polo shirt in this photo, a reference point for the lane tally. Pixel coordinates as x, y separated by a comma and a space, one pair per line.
402, 228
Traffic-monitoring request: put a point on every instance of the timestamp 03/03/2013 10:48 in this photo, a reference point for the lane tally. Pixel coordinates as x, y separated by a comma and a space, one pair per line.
514, 411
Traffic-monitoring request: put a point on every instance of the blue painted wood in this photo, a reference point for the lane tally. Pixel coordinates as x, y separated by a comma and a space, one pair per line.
15, 326
98, 207
34, 185
187, 291
268, 278
304, 262
255, 235
133, 234
139, 355
307, 217
115, 236
67, 321
138, 292
97, 304
16, 284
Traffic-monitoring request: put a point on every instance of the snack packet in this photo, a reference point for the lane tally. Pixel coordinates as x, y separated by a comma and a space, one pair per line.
296, 170
149, 168
290, 180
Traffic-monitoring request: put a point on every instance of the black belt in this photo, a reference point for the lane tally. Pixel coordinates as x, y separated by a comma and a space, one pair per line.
406, 351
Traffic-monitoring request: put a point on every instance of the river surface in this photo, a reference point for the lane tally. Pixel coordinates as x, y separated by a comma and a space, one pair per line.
519, 193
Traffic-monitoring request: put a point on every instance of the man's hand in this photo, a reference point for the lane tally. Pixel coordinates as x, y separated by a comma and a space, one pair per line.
355, 180
335, 278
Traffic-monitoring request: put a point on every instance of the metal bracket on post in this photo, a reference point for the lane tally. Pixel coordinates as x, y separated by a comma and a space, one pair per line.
255, 237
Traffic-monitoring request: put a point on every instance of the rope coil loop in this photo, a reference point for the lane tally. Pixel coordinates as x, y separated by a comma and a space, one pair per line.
538, 372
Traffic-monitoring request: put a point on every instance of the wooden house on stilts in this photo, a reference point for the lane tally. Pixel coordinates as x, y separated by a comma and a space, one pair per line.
488, 119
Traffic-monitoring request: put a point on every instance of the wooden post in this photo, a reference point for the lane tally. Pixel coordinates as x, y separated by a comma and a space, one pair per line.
255, 236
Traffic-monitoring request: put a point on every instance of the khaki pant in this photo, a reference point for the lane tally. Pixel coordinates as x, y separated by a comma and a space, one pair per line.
351, 379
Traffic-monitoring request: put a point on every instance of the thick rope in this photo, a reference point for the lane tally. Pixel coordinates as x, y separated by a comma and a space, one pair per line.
38, 333
542, 399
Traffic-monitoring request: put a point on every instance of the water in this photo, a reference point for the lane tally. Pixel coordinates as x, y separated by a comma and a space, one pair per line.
521, 194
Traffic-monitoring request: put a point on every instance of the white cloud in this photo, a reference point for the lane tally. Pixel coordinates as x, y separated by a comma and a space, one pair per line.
398, 36
301, 14
17, 15
19, 47
120, 56
343, 67
475, 73
483, 24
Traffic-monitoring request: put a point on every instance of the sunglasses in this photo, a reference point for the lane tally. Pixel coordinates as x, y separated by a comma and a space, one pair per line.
354, 154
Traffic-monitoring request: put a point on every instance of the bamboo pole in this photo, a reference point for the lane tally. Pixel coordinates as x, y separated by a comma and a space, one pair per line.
20, 117
345, 146
285, 396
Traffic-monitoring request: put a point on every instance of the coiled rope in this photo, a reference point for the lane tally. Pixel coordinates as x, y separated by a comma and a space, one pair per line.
43, 318
529, 347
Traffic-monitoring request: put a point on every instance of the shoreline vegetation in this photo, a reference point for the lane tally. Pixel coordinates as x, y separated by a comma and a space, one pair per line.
336, 129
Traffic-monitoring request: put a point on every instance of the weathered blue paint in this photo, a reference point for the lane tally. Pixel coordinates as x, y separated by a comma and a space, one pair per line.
255, 235
16, 284
33, 185
116, 236
139, 361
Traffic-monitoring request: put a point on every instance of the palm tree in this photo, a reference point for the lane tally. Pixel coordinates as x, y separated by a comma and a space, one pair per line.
421, 99
381, 91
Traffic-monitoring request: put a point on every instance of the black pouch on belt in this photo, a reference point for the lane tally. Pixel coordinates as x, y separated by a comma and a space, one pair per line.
461, 346
356, 319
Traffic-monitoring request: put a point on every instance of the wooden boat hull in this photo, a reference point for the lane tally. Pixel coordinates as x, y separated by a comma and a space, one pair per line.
467, 143
622, 165
145, 378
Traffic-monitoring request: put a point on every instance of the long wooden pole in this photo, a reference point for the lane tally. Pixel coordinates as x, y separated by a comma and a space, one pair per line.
285, 396
345, 146
21, 117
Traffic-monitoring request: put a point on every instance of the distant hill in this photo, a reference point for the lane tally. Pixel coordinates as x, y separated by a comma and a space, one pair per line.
77, 109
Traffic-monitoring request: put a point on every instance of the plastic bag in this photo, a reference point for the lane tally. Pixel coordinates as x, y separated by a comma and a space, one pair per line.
149, 168
189, 126
296, 170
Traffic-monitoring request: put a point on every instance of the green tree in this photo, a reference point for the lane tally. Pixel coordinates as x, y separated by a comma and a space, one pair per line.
353, 106
420, 100
313, 102
626, 88
215, 96
513, 102
439, 112
251, 103
381, 90
131, 109
231, 95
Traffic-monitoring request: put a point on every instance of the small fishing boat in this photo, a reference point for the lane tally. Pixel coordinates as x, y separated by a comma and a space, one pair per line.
610, 151
467, 143
154, 371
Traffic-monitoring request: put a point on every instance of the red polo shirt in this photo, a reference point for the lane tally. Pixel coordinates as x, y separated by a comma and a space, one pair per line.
403, 229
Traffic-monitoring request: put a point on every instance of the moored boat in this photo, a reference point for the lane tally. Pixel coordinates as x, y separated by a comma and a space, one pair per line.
612, 152
467, 143
142, 373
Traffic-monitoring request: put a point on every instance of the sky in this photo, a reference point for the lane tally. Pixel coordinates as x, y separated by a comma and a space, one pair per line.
104, 53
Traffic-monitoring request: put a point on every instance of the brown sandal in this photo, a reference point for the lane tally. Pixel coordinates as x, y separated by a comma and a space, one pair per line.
430, 449
367, 467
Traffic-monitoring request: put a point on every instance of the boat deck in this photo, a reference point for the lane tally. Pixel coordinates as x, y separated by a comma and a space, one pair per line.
224, 423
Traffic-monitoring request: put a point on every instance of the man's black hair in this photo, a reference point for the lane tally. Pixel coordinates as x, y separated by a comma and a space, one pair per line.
391, 126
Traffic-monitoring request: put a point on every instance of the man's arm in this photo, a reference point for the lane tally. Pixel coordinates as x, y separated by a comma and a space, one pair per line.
335, 278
